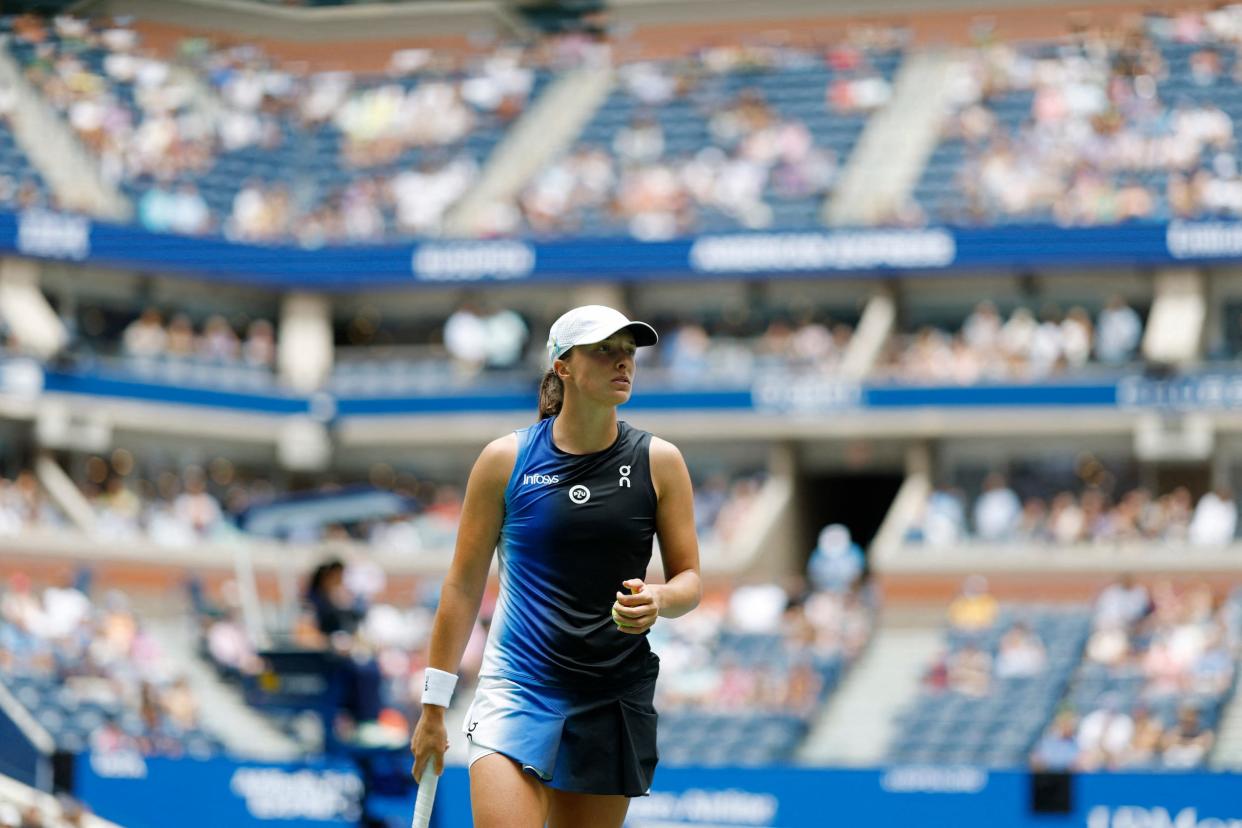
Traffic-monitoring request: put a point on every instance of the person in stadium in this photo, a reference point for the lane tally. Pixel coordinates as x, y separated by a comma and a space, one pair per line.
337, 618
562, 729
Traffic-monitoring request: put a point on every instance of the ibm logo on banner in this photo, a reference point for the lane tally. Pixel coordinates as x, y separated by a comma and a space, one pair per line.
53, 235
1131, 816
473, 261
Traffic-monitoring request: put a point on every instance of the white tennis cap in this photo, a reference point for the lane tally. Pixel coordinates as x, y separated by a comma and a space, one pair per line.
593, 323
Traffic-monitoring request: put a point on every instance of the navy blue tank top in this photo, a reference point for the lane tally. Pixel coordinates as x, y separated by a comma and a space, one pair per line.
576, 526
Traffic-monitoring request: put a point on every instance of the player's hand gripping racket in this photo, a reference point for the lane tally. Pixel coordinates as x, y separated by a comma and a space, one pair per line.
426, 795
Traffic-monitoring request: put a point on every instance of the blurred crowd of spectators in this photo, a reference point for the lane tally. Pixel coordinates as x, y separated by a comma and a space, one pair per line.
97, 659
177, 509
24, 505
1110, 128
752, 154
150, 337
1093, 515
970, 668
214, 503
709, 666
1020, 348
1167, 658
1113, 131
348, 612
739, 345
483, 341
479, 338
160, 126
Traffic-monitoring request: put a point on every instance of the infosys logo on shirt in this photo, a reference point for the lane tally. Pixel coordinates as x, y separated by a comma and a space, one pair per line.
540, 479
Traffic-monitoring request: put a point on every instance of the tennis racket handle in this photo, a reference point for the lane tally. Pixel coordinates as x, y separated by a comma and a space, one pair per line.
426, 796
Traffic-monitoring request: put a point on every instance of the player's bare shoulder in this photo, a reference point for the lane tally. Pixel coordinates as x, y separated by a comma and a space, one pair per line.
495, 463
668, 467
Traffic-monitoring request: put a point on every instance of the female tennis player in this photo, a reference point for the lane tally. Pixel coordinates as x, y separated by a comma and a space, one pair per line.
562, 730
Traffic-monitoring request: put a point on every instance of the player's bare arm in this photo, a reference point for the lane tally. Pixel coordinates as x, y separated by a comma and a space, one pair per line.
636, 610
481, 517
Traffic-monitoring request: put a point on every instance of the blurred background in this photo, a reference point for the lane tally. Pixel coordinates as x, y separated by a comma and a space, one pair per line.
950, 304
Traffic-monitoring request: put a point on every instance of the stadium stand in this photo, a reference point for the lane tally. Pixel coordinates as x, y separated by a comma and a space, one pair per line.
167, 442
1155, 675
227, 141
1103, 126
1097, 514
733, 137
744, 680
481, 347
89, 674
987, 699
987, 347
1138, 682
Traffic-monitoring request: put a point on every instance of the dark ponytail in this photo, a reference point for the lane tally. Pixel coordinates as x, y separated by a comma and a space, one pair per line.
551, 394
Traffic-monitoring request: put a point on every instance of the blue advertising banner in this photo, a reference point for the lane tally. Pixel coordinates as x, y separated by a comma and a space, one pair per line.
927, 797
50, 235
138, 793
769, 395
155, 792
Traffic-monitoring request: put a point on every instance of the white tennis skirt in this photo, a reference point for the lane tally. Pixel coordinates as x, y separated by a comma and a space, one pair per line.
583, 741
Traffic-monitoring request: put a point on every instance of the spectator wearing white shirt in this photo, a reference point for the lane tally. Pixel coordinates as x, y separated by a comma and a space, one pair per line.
997, 510
259, 350
837, 562
1021, 654
758, 608
196, 508
145, 336
1117, 332
1104, 735
219, 342
1047, 344
465, 337
641, 142
982, 329
189, 214
1122, 604
156, 209
1215, 520
1076, 334
506, 338
944, 520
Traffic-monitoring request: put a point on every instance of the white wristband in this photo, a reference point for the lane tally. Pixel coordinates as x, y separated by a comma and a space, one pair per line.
438, 687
